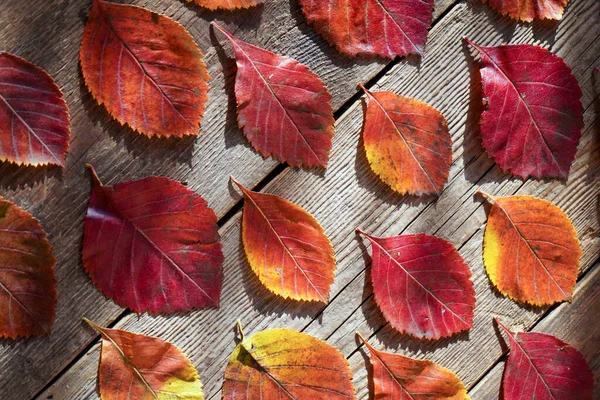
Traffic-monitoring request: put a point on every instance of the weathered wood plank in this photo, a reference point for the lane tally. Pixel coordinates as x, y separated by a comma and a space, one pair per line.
571, 322
48, 33
350, 195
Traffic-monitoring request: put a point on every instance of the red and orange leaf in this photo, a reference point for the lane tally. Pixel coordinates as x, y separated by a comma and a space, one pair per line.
396, 377
145, 68
385, 28
528, 10
34, 118
153, 245
530, 250
226, 4
283, 107
135, 367
407, 143
286, 247
27, 284
532, 122
543, 367
285, 364
422, 285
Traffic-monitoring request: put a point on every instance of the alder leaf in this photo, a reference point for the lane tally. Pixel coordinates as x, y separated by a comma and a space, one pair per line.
145, 68
27, 284
34, 118
395, 376
407, 143
285, 364
530, 250
385, 28
286, 247
422, 285
533, 118
528, 10
543, 367
135, 367
226, 4
153, 245
283, 107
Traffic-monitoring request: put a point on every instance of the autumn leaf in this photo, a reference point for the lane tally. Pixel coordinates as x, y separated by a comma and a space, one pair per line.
532, 122
134, 366
395, 376
407, 143
283, 363
34, 118
528, 10
385, 28
530, 250
145, 68
422, 285
226, 4
543, 367
153, 245
286, 247
283, 107
27, 284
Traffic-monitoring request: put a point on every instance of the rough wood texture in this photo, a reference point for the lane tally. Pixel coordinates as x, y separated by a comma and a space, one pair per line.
48, 33
350, 195
568, 322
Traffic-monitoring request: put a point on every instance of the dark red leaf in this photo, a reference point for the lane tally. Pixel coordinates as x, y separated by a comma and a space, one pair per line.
386, 28
283, 107
533, 120
153, 245
34, 118
422, 285
544, 367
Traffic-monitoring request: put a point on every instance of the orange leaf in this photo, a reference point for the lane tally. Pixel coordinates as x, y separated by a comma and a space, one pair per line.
34, 118
286, 247
395, 376
27, 285
407, 143
226, 4
134, 366
530, 250
285, 364
528, 10
145, 68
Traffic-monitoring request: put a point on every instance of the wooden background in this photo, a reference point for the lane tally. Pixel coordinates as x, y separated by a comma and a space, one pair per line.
346, 195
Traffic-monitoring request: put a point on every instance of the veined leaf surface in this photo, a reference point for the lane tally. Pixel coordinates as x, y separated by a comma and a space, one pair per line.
528, 10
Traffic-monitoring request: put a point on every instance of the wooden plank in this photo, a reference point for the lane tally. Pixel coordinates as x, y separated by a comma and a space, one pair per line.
48, 33
570, 322
349, 192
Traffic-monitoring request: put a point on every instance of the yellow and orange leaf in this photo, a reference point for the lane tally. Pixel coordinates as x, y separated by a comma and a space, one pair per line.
27, 284
285, 364
396, 377
286, 247
136, 367
226, 4
530, 250
145, 68
528, 10
407, 143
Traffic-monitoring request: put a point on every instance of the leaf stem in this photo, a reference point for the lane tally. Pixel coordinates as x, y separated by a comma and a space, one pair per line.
94, 174
487, 196
93, 325
238, 323
364, 341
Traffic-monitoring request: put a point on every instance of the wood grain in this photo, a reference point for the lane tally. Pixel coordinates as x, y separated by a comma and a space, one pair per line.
349, 195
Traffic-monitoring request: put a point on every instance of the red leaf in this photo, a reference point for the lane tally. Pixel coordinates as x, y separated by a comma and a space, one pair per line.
283, 107
27, 284
544, 367
528, 10
226, 4
533, 120
422, 285
145, 68
153, 245
34, 118
386, 28
286, 247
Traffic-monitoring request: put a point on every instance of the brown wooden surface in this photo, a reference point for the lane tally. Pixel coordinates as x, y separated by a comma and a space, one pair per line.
347, 195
